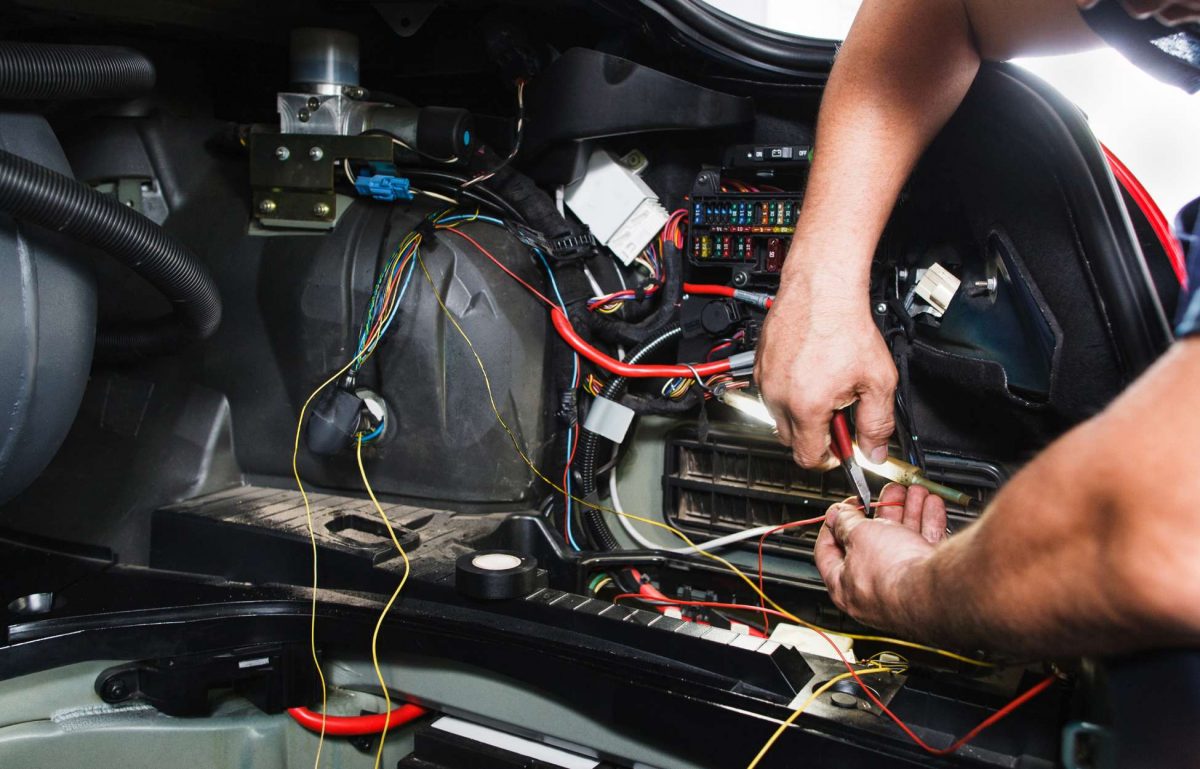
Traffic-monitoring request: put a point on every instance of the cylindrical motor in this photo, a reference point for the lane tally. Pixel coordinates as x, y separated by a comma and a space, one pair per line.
324, 60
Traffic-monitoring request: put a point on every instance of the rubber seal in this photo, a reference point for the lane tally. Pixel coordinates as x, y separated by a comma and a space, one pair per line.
493, 575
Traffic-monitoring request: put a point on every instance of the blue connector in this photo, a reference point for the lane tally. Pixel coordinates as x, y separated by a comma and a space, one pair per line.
384, 187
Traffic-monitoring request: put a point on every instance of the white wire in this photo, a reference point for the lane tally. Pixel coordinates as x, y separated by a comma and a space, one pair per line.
614, 499
436, 196
591, 279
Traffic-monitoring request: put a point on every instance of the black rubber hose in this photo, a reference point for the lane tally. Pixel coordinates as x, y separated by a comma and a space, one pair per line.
54, 71
589, 443
35, 194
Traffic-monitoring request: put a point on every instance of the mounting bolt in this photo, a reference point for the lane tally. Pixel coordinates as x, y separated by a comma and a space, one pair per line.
314, 103
302, 115
321, 209
316, 153
267, 206
282, 153
740, 278
115, 690
982, 287
354, 91
881, 308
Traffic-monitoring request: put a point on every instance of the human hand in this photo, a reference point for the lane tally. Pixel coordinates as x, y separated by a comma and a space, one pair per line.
864, 561
820, 352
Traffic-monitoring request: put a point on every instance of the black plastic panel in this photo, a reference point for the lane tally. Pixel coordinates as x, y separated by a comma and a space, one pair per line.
727, 482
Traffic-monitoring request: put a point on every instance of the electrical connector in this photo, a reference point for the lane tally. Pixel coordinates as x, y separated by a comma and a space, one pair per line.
937, 287
619, 208
384, 187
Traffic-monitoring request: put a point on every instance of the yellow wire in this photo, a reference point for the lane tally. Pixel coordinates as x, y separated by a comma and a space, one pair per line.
312, 538
659, 524
387, 700
805, 705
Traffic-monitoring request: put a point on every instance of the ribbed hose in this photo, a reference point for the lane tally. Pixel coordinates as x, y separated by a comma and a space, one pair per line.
593, 519
36, 194
53, 71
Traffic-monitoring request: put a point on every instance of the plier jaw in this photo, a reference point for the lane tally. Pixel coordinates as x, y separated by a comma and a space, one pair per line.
843, 449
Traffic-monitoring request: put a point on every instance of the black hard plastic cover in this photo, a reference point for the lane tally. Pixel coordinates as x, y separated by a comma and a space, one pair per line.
587, 94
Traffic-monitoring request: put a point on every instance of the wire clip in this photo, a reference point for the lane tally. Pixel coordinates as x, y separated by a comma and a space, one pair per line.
384, 187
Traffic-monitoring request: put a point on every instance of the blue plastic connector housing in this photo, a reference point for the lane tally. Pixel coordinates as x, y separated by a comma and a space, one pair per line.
384, 187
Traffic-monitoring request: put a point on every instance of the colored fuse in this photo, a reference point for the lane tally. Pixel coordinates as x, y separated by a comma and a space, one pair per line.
775, 255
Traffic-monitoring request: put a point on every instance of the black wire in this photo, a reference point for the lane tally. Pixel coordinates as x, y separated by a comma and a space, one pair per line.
450, 184
731, 620
406, 146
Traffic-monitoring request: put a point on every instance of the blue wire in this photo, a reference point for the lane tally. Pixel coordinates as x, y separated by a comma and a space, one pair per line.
412, 264
575, 376
374, 433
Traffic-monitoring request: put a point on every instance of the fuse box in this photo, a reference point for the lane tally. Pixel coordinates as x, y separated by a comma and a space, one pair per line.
741, 225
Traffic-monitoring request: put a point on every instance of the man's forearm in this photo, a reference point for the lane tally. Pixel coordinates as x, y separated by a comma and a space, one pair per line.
1092, 548
886, 99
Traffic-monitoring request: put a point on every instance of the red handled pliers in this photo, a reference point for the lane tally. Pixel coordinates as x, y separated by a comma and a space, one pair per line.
843, 449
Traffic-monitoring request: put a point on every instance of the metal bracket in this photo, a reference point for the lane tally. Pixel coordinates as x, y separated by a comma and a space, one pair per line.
292, 175
273, 677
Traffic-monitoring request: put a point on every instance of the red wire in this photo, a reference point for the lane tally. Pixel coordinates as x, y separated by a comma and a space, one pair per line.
762, 541
354, 726
566, 495
634, 371
991, 720
806, 522
1153, 214
564, 328
709, 289
499, 264
706, 289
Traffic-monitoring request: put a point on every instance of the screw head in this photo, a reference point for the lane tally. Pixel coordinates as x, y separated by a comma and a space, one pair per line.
321, 209
314, 103
316, 153
881, 308
354, 91
267, 206
302, 115
740, 278
115, 689
282, 153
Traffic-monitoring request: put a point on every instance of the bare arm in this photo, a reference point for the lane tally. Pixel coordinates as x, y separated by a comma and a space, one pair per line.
904, 69
1093, 548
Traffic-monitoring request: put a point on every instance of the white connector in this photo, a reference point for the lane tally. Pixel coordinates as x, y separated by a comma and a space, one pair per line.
622, 212
937, 287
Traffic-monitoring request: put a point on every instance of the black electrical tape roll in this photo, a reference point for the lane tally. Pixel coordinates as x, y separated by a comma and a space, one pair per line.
497, 574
